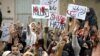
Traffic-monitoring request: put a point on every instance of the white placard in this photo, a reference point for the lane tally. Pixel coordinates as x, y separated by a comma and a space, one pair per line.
76, 11
57, 21
54, 5
40, 12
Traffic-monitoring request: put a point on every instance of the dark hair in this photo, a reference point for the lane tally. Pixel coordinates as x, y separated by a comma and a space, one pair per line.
90, 14
70, 19
39, 23
0, 18
92, 33
91, 18
14, 46
46, 29
15, 39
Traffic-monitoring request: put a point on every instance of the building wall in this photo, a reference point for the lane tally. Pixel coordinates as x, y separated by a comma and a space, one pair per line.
23, 10
4, 8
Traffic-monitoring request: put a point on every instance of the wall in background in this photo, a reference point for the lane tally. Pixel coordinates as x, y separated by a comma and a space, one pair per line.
7, 8
23, 10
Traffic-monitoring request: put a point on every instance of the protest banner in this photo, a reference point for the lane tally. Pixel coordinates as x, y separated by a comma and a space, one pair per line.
40, 12
5, 28
76, 11
57, 21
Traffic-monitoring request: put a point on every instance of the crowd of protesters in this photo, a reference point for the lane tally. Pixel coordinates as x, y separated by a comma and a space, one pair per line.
78, 39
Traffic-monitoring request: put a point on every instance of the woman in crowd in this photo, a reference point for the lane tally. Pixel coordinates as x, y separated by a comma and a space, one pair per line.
13, 34
31, 39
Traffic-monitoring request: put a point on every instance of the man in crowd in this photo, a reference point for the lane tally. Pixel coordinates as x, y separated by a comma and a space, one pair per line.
14, 51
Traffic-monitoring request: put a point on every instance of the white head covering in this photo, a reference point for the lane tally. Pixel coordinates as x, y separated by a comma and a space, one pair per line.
31, 26
6, 53
31, 39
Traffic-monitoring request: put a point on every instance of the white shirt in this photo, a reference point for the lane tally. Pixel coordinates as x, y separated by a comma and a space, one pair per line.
31, 39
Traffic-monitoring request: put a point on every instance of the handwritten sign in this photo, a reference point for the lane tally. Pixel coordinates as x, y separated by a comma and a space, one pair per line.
76, 11
57, 21
53, 4
40, 11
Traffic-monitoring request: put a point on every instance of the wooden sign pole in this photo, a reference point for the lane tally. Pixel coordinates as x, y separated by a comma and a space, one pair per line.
74, 1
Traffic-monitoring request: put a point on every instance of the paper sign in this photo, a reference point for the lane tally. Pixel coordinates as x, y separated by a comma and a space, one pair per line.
57, 21
53, 4
40, 12
76, 11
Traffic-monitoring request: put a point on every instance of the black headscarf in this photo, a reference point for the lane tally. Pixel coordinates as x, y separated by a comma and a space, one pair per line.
91, 18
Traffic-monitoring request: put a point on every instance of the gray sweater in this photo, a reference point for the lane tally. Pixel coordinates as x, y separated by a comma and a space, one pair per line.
75, 45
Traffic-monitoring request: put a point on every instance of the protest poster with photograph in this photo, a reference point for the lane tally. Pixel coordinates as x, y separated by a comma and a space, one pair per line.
76, 11
40, 11
5, 28
57, 21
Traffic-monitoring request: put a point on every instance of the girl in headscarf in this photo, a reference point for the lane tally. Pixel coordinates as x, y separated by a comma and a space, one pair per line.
31, 38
